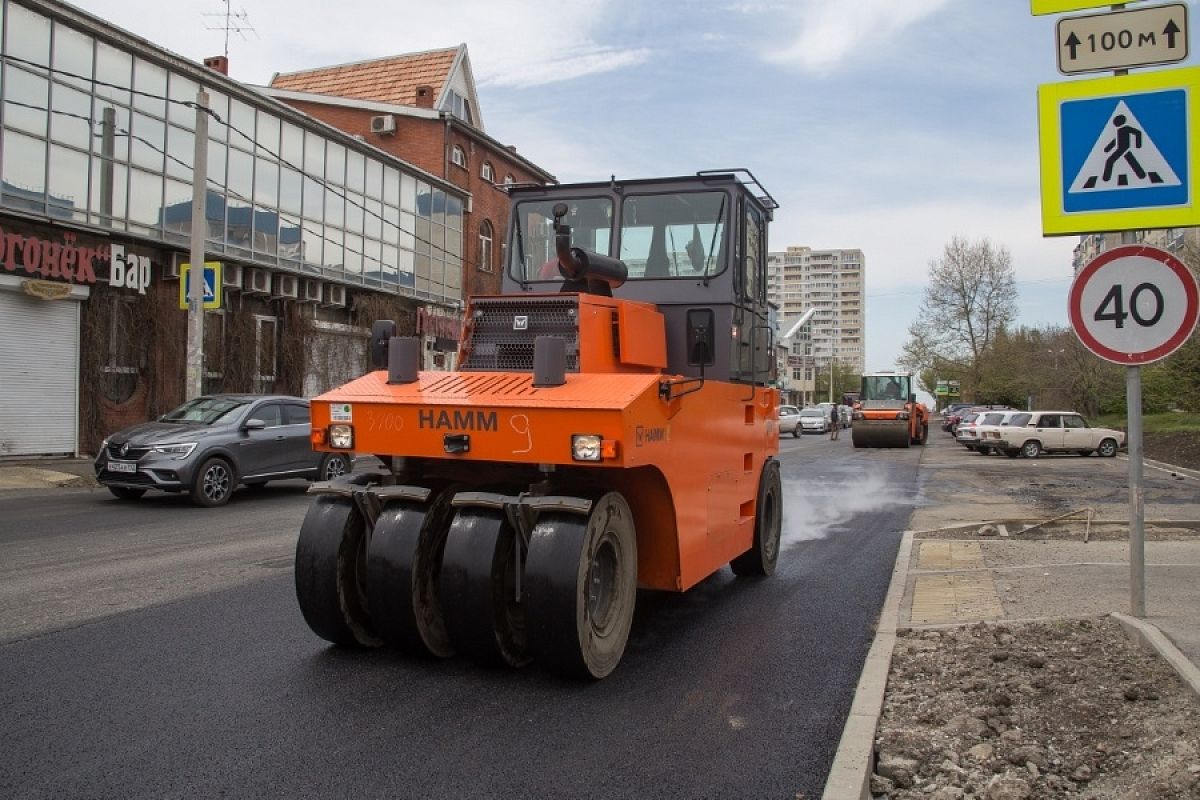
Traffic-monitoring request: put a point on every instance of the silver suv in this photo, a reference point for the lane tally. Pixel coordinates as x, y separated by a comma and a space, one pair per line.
210, 445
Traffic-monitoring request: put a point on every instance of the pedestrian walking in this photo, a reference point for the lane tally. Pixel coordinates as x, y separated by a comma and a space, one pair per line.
835, 424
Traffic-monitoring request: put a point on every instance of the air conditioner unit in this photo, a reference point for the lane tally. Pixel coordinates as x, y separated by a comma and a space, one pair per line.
310, 291
258, 281
384, 123
283, 286
333, 295
171, 271
231, 276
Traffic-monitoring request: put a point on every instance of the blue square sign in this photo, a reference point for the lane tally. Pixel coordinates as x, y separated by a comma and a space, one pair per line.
1125, 151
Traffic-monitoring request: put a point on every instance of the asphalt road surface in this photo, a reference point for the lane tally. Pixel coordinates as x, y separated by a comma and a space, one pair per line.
153, 649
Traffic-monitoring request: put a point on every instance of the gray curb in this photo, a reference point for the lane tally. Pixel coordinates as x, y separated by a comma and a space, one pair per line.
850, 775
1151, 638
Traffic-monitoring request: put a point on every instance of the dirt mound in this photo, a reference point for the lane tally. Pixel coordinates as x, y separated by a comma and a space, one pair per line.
1063, 709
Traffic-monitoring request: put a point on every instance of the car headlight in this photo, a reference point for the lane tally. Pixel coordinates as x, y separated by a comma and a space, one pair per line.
341, 436
178, 450
586, 446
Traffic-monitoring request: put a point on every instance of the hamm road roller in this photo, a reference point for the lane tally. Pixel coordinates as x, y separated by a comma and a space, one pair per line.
887, 413
610, 426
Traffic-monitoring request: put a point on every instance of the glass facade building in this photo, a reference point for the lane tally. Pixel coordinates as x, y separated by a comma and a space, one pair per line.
97, 128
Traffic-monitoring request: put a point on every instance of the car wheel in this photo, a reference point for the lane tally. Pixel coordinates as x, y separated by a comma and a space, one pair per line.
334, 465
126, 493
1107, 448
1031, 449
795, 433
213, 483
983, 451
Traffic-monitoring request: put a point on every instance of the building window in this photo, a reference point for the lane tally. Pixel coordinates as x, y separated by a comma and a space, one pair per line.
214, 352
266, 337
126, 350
459, 156
485, 246
487, 173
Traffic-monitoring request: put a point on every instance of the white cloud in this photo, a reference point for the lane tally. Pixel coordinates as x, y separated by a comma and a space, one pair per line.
831, 32
515, 43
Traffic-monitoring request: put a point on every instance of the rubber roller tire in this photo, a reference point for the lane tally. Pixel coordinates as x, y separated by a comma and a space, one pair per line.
477, 589
761, 558
581, 588
331, 556
404, 564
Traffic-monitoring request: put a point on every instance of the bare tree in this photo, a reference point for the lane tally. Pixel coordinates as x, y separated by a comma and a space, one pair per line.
971, 296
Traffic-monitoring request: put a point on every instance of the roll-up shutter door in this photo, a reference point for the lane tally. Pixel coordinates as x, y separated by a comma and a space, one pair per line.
39, 375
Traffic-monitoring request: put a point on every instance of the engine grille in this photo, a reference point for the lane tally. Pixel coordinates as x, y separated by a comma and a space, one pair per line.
503, 330
134, 453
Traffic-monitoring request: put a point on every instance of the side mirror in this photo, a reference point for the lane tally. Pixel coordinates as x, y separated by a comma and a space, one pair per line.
701, 339
912, 398
253, 424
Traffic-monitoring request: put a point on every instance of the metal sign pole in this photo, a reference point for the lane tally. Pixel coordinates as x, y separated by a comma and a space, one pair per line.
1137, 510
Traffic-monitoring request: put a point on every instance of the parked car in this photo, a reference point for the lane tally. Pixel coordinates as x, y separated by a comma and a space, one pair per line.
814, 420
1058, 432
210, 445
789, 421
964, 431
952, 414
987, 432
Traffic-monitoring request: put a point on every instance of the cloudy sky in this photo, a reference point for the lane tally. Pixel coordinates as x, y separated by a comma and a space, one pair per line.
885, 125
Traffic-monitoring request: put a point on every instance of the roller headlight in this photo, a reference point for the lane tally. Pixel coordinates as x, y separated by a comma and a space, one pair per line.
858, 415
902, 415
178, 450
341, 436
586, 447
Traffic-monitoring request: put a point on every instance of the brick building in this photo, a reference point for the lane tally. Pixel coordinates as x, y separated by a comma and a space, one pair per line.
423, 108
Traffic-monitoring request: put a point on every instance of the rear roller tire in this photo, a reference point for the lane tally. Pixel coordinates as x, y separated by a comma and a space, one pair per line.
922, 435
477, 590
761, 558
581, 588
331, 560
404, 564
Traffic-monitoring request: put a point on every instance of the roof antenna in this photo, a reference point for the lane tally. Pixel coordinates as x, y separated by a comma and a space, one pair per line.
236, 21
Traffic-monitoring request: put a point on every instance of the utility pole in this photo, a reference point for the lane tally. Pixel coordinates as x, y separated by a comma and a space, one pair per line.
195, 328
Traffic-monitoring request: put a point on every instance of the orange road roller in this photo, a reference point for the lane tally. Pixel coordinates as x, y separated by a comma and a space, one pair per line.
610, 425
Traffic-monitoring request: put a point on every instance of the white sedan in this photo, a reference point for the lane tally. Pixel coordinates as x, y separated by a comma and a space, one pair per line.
1058, 432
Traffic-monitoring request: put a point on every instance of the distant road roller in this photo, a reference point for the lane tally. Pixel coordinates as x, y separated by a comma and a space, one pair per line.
887, 414
610, 424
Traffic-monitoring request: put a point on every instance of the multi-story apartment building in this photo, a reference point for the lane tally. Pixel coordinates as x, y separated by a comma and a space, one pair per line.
833, 283
1173, 240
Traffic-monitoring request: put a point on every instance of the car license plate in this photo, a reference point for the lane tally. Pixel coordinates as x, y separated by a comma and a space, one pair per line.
122, 466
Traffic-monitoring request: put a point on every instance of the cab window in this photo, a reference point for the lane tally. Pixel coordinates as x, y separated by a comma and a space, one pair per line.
533, 256
673, 235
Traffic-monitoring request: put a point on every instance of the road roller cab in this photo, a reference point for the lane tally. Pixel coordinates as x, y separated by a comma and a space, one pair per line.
610, 426
887, 414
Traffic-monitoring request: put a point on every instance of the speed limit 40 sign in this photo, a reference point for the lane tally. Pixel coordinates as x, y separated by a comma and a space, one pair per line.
1134, 305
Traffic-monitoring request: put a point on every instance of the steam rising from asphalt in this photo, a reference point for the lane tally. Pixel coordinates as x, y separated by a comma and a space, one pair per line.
813, 506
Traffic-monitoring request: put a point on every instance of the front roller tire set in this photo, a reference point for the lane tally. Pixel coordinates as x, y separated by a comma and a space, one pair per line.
432, 579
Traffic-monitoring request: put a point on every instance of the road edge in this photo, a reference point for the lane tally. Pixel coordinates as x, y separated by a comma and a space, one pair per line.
850, 775
1149, 637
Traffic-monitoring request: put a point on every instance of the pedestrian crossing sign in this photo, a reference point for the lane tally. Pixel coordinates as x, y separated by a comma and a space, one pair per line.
1117, 154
